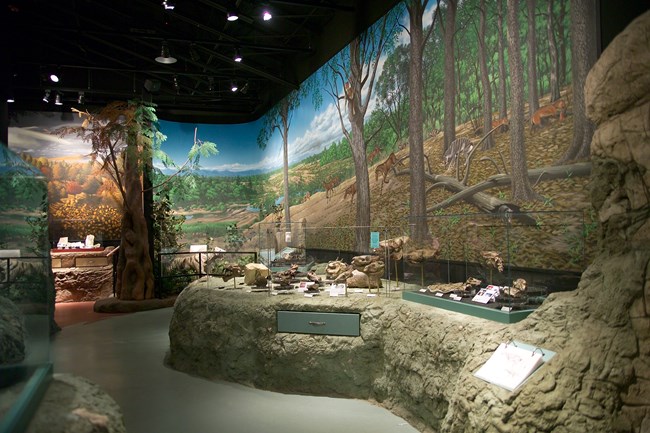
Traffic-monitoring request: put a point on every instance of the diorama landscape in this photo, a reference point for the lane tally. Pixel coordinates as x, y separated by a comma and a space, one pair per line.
459, 125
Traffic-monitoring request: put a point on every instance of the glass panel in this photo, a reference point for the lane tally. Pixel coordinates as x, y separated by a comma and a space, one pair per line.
26, 283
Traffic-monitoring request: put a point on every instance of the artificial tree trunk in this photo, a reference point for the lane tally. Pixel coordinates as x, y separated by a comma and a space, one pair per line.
134, 268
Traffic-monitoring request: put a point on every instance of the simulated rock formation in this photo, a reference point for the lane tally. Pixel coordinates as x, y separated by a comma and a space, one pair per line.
419, 361
12, 333
72, 404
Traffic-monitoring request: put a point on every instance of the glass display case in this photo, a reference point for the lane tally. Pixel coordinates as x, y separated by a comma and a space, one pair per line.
26, 291
507, 263
315, 248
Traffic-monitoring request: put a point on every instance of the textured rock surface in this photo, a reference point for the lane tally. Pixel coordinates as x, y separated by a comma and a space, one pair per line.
83, 284
74, 405
418, 361
407, 358
12, 333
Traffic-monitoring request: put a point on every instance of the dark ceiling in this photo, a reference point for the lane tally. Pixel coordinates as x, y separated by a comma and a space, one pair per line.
107, 50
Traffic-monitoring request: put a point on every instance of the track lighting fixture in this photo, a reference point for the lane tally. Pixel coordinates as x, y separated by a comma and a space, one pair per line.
177, 87
210, 84
46, 97
233, 86
232, 16
266, 14
10, 96
237, 57
57, 99
54, 77
165, 57
168, 5
81, 99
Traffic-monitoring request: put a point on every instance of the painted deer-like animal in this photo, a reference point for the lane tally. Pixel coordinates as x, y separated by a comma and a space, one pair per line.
548, 111
329, 187
383, 169
350, 191
503, 124
374, 154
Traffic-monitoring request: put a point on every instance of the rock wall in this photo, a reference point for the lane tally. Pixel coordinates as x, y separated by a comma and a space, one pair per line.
12, 333
407, 357
72, 404
83, 284
418, 361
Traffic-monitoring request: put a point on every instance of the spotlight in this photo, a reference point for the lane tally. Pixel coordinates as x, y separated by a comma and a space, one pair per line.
233, 86
168, 5
232, 16
54, 77
165, 57
237, 57
177, 87
266, 14
46, 97
81, 99
57, 99
10, 96
210, 84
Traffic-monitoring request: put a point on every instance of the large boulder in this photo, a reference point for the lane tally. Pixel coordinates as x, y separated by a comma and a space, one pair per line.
73, 404
12, 333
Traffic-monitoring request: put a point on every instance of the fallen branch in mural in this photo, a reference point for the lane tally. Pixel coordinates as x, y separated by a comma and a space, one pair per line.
490, 203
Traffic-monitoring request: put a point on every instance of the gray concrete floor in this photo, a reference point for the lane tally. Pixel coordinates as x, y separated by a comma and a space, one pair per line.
124, 355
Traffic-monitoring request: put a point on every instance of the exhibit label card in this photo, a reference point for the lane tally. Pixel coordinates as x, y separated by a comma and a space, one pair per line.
374, 239
509, 366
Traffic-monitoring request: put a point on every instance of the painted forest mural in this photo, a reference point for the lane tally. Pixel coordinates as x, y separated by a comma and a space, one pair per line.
439, 116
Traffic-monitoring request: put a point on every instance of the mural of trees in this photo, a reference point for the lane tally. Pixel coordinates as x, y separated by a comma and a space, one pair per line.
279, 118
350, 77
419, 229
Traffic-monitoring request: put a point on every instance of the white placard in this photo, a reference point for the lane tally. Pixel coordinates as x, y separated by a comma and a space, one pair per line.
509, 366
439, 294
486, 295
198, 248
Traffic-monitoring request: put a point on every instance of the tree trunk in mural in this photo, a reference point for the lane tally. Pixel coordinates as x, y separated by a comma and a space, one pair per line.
284, 115
134, 269
533, 97
583, 56
356, 113
450, 74
419, 227
485, 78
355, 69
521, 189
562, 41
503, 93
552, 50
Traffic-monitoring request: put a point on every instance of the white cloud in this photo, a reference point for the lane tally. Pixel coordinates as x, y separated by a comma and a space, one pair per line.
37, 143
324, 129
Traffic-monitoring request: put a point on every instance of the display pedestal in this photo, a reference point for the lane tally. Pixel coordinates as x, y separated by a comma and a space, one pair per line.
469, 309
82, 274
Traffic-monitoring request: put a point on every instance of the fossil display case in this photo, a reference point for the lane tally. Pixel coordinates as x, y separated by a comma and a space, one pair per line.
497, 266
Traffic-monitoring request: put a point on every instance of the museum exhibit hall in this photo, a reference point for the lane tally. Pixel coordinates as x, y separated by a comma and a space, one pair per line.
325, 215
